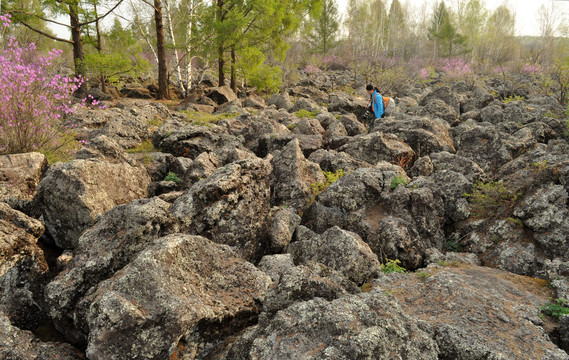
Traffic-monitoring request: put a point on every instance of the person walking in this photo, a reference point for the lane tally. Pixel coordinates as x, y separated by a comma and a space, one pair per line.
376, 104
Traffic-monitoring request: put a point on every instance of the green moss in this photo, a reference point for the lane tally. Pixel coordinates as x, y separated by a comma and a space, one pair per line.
305, 114
396, 181
144, 147
203, 119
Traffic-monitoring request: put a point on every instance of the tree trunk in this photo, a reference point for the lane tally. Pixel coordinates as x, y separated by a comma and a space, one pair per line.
78, 54
188, 46
173, 39
233, 72
220, 60
161, 52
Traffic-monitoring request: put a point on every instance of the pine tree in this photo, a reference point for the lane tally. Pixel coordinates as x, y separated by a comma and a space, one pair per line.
443, 33
322, 30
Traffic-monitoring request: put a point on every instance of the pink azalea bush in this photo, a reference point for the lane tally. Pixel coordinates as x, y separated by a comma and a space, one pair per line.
33, 103
456, 68
311, 70
530, 69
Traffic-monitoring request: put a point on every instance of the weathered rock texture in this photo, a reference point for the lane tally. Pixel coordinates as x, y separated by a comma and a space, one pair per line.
230, 207
72, 194
164, 302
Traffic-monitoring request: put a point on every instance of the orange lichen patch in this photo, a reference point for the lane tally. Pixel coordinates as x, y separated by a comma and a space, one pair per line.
317, 349
178, 351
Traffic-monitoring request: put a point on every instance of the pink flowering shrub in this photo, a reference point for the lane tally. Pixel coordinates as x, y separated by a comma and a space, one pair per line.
34, 104
530, 69
456, 68
311, 70
424, 73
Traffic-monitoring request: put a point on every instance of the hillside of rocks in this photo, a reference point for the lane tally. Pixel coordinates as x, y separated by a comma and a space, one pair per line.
241, 226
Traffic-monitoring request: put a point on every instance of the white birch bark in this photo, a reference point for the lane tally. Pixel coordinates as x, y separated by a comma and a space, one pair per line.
173, 39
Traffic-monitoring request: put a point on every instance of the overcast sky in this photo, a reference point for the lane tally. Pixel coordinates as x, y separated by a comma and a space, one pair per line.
525, 10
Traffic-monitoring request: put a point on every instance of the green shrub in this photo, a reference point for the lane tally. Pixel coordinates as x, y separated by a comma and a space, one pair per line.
510, 99
452, 245
392, 266
318, 188
488, 199
555, 309
305, 114
172, 177
398, 180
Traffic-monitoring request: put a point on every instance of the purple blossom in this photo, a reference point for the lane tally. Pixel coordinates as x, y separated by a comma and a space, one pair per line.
311, 70
33, 102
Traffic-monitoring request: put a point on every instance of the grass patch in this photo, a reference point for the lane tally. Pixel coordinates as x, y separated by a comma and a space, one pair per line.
396, 181
203, 119
144, 147
305, 114
510, 99
66, 152
423, 275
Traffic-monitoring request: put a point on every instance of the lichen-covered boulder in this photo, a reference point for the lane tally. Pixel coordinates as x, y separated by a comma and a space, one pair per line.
17, 344
293, 176
283, 225
423, 135
167, 301
341, 250
110, 244
230, 207
377, 146
20, 175
71, 195
23, 268
364, 326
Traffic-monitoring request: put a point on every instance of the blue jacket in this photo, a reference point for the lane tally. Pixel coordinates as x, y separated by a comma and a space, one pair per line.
377, 104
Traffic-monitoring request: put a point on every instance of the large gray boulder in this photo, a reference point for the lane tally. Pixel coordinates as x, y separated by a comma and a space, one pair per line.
230, 207
375, 147
364, 326
502, 321
283, 225
221, 95
438, 109
488, 147
401, 223
23, 268
20, 175
423, 135
191, 140
333, 161
281, 101
72, 195
305, 282
341, 250
293, 176
110, 244
167, 301
445, 94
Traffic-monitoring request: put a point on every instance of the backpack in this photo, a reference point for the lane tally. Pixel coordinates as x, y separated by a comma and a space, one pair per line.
385, 101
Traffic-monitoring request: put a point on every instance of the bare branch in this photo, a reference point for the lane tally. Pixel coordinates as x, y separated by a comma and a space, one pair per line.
102, 16
41, 18
46, 34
